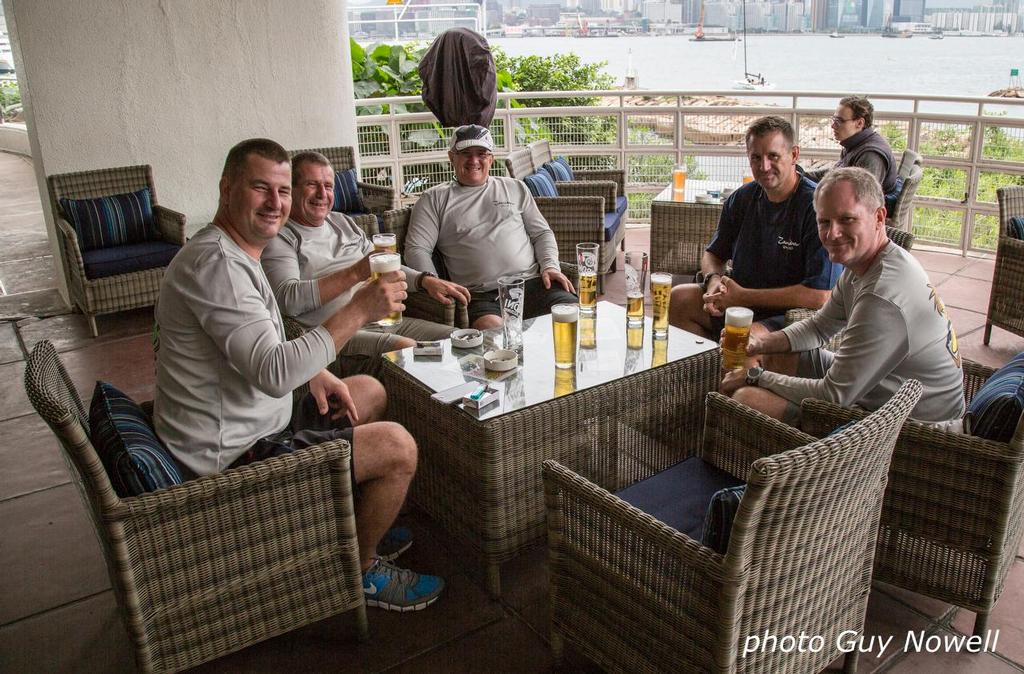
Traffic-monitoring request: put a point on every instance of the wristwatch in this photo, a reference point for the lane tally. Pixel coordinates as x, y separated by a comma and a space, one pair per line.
704, 280
423, 275
754, 375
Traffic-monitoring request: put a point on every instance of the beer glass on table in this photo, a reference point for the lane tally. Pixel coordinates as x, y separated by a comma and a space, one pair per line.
564, 321
586, 260
385, 243
511, 293
748, 176
636, 283
736, 336
380, 264
661, 290
679, 178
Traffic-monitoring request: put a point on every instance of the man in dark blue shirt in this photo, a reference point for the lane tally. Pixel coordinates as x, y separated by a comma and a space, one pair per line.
769, 231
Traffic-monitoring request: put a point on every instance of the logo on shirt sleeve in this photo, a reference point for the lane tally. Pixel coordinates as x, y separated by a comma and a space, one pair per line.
951, 344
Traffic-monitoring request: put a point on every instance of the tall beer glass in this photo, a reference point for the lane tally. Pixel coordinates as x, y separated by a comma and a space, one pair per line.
737, 334
564, 320
679, 178
661, 290
385, 243
636, 283
380, 264
588, 332
586, 261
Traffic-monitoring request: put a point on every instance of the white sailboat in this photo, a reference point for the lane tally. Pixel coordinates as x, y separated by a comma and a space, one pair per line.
751, 81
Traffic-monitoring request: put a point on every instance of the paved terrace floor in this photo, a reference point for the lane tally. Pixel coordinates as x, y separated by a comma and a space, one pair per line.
57, 611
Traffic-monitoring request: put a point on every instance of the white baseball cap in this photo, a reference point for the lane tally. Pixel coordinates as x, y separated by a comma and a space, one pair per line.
471, 135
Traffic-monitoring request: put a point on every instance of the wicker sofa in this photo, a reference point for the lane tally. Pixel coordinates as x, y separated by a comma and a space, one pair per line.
1006, 301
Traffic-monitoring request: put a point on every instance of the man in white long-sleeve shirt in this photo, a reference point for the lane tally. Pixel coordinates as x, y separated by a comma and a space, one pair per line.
896, 327
225, 373
486, 227
321, 258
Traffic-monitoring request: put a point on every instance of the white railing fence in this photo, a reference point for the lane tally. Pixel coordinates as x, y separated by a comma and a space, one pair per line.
970, 145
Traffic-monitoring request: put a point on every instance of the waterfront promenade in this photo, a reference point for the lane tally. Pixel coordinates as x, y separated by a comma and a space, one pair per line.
57, 612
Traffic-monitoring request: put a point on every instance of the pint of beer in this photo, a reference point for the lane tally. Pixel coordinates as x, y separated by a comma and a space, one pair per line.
661, 290
564, 319
636, 284
586, 263
385, 243
737, 333
679, 178
380, 264
588, 332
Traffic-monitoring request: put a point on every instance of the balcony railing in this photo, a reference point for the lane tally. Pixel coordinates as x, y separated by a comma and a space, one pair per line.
971, 145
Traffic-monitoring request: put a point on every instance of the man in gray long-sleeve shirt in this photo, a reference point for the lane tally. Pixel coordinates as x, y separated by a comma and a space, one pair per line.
486, 227
225, 373
896, 327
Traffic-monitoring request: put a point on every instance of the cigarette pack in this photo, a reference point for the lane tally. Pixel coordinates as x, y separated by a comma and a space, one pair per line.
489, 396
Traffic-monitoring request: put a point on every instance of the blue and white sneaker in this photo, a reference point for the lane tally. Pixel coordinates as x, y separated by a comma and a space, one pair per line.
396, 541
393, 589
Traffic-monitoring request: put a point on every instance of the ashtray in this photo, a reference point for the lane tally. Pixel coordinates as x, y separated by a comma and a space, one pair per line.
706, 199
467, 338
501, 360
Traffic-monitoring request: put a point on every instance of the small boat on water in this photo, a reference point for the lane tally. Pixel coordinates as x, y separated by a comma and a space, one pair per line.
751, 81
936, 36
835, 35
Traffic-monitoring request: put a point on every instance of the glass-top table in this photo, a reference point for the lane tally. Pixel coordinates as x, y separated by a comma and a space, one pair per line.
618, 352
619, 416
692, 189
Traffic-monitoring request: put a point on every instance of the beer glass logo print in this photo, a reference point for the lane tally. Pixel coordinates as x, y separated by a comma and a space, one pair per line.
632, 278
514, 302
588, 260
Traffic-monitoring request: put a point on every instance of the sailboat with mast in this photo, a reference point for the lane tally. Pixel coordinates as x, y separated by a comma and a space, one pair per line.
751, 81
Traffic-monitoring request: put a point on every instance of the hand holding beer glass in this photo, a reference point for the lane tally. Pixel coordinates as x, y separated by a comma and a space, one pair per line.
586, 260
735, 337
381, 264
636, 284
564, 321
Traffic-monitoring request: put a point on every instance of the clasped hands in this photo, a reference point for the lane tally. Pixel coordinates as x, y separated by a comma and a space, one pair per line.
723, 292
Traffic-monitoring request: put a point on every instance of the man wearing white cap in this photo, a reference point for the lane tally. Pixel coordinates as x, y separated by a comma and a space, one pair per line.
485, 227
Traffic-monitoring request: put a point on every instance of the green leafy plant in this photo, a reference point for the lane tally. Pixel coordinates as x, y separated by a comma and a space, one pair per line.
10, 95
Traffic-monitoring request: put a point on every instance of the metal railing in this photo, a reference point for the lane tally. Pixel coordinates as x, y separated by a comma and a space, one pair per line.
971, 145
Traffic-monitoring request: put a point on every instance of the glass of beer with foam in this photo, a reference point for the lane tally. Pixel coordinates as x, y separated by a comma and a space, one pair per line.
636, 283
385, 243
380, 264
564, 320
586, 262
661, 290
679, 178
737, 334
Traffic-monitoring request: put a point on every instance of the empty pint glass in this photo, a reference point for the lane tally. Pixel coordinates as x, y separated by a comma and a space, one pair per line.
586, 261
564, 320
636, 283
737, 334
380, 264
385, 243
661, 289
511, 299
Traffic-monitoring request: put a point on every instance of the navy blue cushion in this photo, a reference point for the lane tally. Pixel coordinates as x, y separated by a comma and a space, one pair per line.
126, 259
614, 219
541, 185
891, 197
718, 520
996, 407
135, 459
346, 192
679, 496
559, 170
111, 221
1016, 228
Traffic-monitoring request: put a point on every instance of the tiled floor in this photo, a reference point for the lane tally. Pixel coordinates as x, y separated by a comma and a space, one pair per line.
57, 612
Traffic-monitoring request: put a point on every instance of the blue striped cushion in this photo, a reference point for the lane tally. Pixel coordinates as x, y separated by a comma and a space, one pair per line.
111, 221
346, 192
541, 185
559, 170
1016, 228
997, 406
135, 459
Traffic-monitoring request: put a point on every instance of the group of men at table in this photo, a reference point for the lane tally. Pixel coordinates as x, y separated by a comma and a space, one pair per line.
226, 372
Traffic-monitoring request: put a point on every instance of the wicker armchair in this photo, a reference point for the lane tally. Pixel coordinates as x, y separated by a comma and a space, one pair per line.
954, 509
633, 594
902, 216
1006, 301
679, 234
576, 215
376, 198
540, 154
120, 292
222, 562
904, 240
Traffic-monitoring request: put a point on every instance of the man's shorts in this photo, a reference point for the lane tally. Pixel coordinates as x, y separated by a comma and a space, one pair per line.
538, 300
811, 364
307, 428
771, 322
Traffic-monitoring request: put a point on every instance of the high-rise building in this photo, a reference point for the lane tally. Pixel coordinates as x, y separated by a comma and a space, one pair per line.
908, 10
